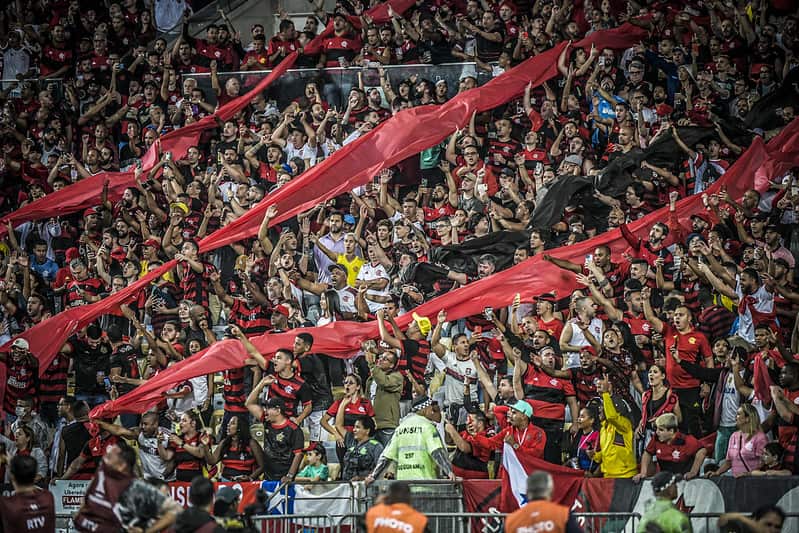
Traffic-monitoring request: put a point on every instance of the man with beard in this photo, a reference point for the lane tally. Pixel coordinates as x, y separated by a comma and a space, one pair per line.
333, 241
692, 346
754, 301
57, 56
548, 396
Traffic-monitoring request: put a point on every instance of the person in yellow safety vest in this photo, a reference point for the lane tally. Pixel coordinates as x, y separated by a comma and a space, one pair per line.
416, 446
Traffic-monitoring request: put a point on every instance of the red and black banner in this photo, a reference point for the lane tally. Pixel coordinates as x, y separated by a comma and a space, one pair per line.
698, 496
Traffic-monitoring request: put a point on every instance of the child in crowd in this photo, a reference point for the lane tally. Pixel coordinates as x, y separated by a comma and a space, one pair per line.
316, 464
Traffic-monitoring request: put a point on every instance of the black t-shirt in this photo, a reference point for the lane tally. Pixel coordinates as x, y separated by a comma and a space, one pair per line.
88, 362
125, 357
281, 442
75, 437
488, 50
312, 371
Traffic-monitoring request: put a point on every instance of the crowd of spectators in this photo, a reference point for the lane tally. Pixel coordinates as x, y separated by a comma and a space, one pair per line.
649, 367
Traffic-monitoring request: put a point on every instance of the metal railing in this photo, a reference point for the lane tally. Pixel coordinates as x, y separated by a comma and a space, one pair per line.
453, 522
336, 83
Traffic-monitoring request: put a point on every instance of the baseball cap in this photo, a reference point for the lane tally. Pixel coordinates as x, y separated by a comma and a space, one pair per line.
664, 480
590, 349
276, 403
228, 494
282, 309
334, 266
523, 407
546, 297
574, 159
420, 402
152, 242
90, 211
180, 205
118, 253
349, 219
702, 215
423, 323
20, 343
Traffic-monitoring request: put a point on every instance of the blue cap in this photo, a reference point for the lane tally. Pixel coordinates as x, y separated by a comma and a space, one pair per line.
349, 219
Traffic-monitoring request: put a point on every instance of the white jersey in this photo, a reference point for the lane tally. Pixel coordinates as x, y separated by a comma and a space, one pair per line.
455, 372
151, 463
370, 272
572, 359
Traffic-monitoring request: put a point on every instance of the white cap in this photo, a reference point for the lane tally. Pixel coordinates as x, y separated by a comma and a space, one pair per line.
20, 343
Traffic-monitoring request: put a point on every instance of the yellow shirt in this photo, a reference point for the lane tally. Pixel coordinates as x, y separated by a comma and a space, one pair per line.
353, 267
616, 456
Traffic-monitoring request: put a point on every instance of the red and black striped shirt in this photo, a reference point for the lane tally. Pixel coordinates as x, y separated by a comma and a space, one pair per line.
546, 394
53, 383
22, 381
293, 391
89, 286
251, 320
187, 466
715, 322
238, 461
195, 285
235, 392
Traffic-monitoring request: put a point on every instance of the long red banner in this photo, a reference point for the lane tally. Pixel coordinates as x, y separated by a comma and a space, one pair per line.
86, 193
532, 277
399, 137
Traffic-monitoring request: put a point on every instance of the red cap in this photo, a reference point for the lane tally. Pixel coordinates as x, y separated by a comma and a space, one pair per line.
72, 253
282, 309
590, 349
152, 242
90, 211
663, 110
509, 5
118, 253
703, 215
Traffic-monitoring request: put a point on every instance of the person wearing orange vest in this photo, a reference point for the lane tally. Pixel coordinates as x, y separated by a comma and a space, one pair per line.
394, 513
539, 513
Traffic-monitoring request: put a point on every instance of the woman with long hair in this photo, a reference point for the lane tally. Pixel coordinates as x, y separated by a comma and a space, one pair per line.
330, 305
657, 399
24, 443
745, 448
186, 448
241, 456
586, 438
357, 406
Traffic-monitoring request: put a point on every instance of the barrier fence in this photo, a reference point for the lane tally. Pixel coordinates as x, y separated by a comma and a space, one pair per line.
454, 523
614, 505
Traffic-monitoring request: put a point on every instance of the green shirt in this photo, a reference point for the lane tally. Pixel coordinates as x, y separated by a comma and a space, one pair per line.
664, 514
311, 471
430, 157
412, 446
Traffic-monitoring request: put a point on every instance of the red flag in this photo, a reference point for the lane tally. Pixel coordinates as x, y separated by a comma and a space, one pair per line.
517, 465
761, 381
